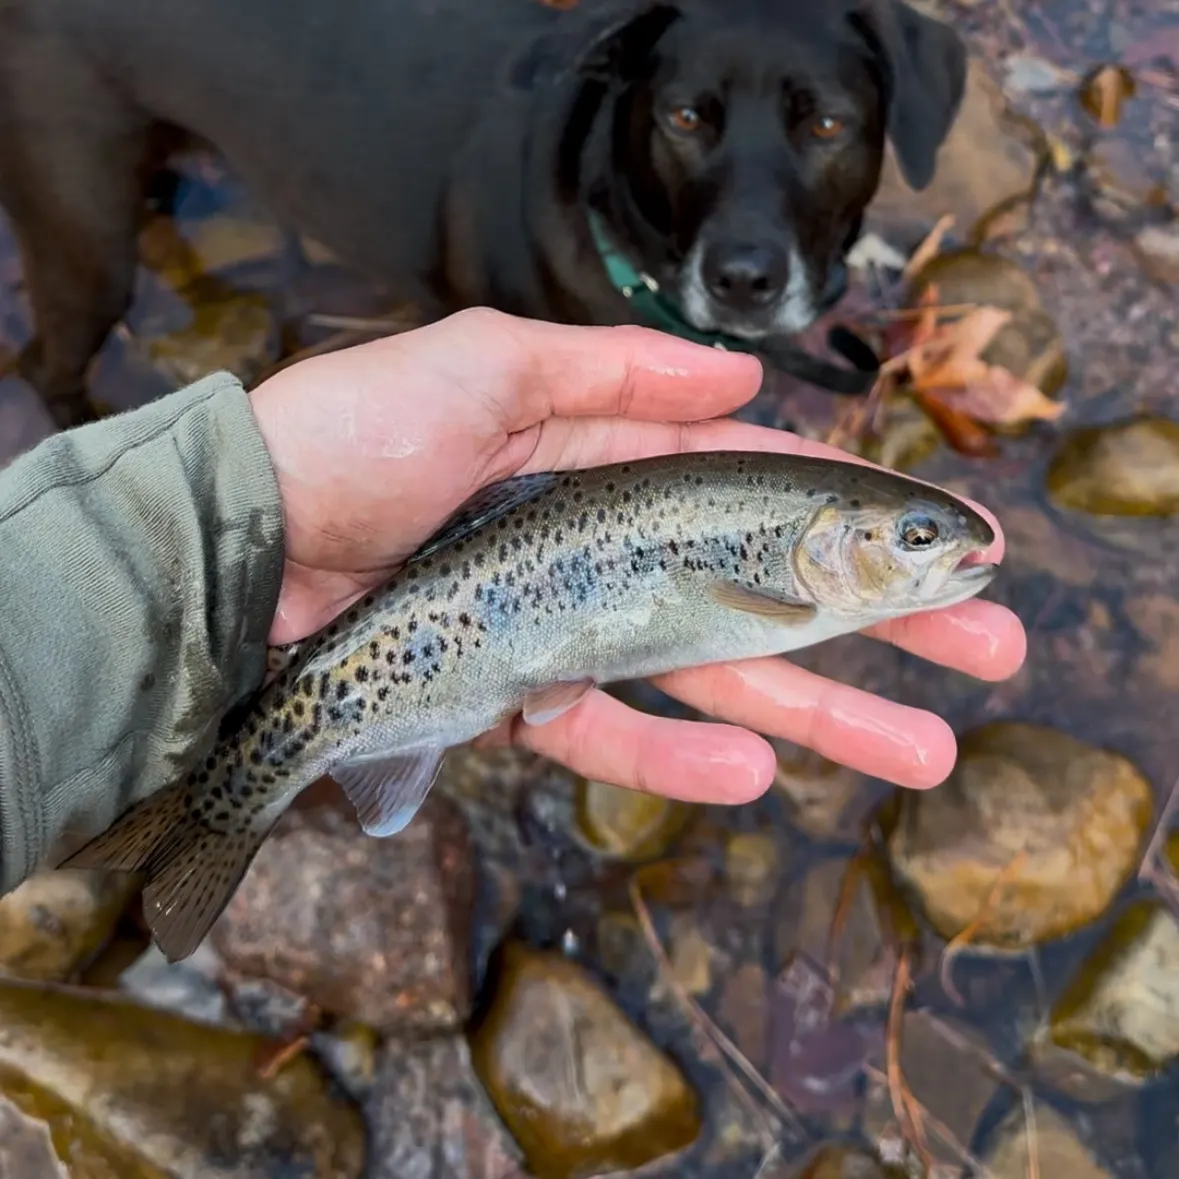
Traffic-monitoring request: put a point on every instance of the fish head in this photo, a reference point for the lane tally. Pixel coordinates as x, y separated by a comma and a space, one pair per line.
893, 547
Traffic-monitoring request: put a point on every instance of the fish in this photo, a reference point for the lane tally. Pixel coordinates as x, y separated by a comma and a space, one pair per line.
534, 592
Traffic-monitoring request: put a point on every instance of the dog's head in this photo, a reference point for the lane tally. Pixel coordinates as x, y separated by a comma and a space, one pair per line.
746, 139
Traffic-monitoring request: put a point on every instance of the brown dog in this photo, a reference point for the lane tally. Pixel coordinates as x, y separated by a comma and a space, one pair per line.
722, 152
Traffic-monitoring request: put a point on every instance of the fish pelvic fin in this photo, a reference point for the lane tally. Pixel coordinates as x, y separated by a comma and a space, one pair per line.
192, 869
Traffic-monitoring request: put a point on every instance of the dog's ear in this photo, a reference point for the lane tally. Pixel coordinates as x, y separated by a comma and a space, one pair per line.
623, 40
603, 45
924, 65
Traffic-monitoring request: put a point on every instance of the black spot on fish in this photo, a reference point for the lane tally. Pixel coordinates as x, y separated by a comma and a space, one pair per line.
342, 690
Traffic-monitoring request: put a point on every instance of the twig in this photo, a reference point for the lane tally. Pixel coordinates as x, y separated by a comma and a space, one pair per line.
946, 309
962, 939
369, 325
1152, 870
1029, 1115
700, 1017
947, 1136
929, 248
908, 1111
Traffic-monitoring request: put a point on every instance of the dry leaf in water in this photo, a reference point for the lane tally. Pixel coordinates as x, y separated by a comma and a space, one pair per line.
1001, 398
1104, 92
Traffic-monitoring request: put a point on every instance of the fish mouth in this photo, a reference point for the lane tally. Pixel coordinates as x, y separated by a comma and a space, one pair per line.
971, 574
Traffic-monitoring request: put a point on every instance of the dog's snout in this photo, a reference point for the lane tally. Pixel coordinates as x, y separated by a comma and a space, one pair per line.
745, 276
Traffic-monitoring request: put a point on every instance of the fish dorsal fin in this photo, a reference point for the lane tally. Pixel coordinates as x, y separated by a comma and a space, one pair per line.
389, 787
767, 603
554, 700
486, 505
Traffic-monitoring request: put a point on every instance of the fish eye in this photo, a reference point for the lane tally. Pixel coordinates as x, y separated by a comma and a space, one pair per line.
685, 119
918, 531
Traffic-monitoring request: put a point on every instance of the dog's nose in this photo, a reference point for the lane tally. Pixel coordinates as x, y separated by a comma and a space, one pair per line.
746, 276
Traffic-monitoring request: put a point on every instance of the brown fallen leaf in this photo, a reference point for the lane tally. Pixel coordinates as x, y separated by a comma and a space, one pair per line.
1000, 398
963, 433
1104, 92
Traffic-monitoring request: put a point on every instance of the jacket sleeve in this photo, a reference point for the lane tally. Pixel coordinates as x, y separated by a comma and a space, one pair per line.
140, 563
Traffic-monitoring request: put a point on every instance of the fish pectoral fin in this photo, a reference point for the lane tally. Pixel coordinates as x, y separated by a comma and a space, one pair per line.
767, 603
192, 869
554, 700
387, 789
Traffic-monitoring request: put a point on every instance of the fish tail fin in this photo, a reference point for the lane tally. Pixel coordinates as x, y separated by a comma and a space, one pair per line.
192, 869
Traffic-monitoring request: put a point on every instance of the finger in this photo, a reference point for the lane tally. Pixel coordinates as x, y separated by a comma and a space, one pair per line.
565, 444
605, 740
902, 745
980, 638
630, 372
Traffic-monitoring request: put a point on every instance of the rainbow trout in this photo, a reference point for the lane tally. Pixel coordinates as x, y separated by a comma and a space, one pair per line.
538, 589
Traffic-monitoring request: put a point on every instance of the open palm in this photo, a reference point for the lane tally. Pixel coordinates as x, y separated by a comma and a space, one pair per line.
376, 445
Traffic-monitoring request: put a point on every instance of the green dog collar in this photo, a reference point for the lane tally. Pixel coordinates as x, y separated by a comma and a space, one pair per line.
643, 294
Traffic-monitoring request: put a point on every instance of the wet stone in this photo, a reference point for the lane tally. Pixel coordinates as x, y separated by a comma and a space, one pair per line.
1062, 820
373, 929
1129, 468
430, 1118
55, 923
752, 867
822, 794
932, 1051
581, 1088
1120, 1014
237, 333
844, 1162
26, 1149
1030, 345
627, 825
154, 1095
1158, 246
824, 902
188, 988
990, 157
1058, 1150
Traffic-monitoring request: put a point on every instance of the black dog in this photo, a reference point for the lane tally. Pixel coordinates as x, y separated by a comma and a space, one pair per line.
702, 164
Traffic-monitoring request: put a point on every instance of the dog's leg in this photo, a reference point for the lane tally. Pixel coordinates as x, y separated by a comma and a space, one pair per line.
71, 180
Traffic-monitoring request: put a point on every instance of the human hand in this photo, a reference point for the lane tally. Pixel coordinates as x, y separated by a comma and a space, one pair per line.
376, 445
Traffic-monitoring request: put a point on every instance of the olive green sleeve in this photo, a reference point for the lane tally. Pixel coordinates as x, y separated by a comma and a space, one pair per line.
140, 562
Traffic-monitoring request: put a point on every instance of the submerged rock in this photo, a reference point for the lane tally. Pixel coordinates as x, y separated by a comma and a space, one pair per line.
1129, 468
822, 794
1030, 345
844, 1162
1062, 820
989, 158
1058, 1150
581, 1088
153, 1095
627, 824
1119, 1018
55, 923
752, 867
431, 1119
932, 1051
26, 1149
373, 929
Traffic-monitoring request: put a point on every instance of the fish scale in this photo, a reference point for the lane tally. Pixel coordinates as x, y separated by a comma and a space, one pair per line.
536, 591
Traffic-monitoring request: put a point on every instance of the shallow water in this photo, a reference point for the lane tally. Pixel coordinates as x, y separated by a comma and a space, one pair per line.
1081, 585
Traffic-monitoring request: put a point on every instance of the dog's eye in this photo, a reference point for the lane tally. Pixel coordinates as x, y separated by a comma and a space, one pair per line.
685, 118
826, 127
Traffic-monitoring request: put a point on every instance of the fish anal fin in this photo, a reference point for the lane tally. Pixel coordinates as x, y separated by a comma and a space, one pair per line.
387, 789
766, 603
554, 700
